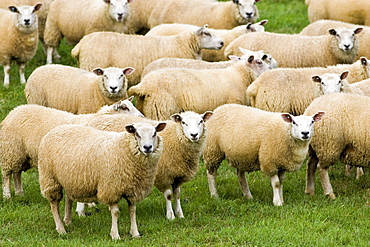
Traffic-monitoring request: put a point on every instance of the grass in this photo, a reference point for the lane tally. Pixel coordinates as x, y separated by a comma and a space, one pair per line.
230, 220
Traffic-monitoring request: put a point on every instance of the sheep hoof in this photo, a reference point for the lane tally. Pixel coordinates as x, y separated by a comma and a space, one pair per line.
310, 193
331, 195
61, 231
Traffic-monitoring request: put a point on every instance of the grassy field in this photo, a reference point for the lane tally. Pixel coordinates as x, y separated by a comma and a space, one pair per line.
230, 220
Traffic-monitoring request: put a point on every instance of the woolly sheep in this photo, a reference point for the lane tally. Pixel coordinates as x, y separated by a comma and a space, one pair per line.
252, 140
341, 137
23, 128
104, 49
321, 27
292, 90
183, 140
164, 92
220, 15
75, 90
168, 62
122, 165
19, 38
87, 17
140, 13
342, 10
339, 47
226, 35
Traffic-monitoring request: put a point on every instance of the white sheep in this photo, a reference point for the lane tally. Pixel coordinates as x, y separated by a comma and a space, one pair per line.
19, 38
75, 90
220, 15
343, 136
342, 10
169, 62
140, 13
164, 92
294, 50
121, 165
104, 49
183, 141
87, 17
252, 140
292, 90
226, 35
321, 27
23, 128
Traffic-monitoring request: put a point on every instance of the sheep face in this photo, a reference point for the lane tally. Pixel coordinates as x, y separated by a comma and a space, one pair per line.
366, 64
257, 65
146, 135
302, 126
26, 16
331, 82
114, 79
208, 40
126, 106
192, 123
265, 57
345, 37
247, 10
256, 27
118, 9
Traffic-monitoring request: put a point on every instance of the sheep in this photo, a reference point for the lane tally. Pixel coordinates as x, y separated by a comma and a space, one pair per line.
122, 165
341, 137
23, 128
342, 10
166, 91
75, 90
87, 17
183, 141
19, 38
321, 27
168, 62
252, 139
302, 51
226, 35
140, 13
104, 49
220, 15
292, 90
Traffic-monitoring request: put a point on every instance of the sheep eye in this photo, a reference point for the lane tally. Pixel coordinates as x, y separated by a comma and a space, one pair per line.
294, 122
154, 134
124, 108
322, 83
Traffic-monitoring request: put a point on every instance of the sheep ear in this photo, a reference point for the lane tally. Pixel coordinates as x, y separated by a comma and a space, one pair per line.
131, 98
13, 9
263, 22
344, 75
256, 1
207, 115
161, 126
37, 7
98, 71
128, 70
201, 29
177, 118
234, 58
250, 59
363, 61
316, 78
106, 1
130, 129
332, 31
358, 30
235, 1
244, 51
287, 117
318, 116
264, 57
249, 25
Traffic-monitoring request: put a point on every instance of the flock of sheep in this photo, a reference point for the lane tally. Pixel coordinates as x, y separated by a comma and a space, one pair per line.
205, 85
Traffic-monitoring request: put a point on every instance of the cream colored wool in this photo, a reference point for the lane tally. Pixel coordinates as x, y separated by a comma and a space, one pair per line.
24, 127
292, 90
294, 50
361, 87
321, 27
220, 15
341, 136
71, 89
118, 168
105, 49
140, 13
167, 91
352, 11
226, 35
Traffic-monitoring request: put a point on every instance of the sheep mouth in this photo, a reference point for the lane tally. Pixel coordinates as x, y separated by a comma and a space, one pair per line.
305, 137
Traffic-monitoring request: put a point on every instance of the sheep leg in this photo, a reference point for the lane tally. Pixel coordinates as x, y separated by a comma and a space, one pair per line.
6, 74
281, 175
6, 186
275, 182
244, 184
133, 229
17, 177
212, 183
21, 67
49, 55
114, 210
359, 172
325, 182
80, 209
312, 164
178, 209
58, 222
169, 211
68, 211
348, 170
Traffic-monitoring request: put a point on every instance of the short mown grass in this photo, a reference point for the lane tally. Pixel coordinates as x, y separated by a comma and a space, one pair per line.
230, 220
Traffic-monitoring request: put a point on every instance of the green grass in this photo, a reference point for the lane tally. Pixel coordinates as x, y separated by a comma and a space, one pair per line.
230, 220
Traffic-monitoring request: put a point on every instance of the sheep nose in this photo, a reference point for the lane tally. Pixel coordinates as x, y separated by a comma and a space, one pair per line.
113, 88
27, 21
305, 134
249, 14
194, 135
347, 47
221, 43
148, 148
